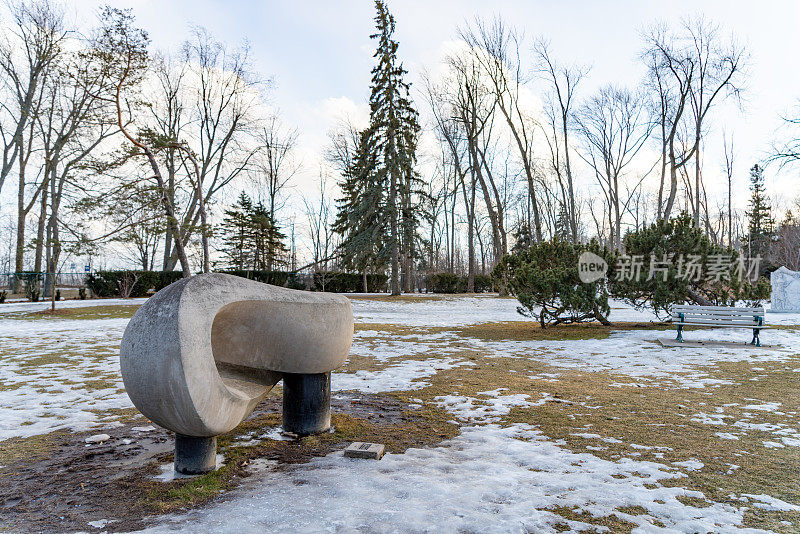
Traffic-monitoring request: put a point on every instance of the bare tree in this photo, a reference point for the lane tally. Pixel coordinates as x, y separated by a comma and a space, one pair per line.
123, 47
690, 72
318, 216
274, 165
38, 182
73, 122
614, 127
224, 99
168, 116
719, 71
473, 104
462, 108
450, 137
28, 49
559, 109
498, 51
729, 159
671, 71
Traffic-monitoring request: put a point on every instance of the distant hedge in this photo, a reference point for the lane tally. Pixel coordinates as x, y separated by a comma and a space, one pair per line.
108, 283
341, 282
276, 278
453, 283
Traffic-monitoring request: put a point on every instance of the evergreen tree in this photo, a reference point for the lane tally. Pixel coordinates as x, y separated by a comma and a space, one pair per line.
236, 229
252, 239
761, 223
361, 215
562, 225
378, 214
393, 120
267, 243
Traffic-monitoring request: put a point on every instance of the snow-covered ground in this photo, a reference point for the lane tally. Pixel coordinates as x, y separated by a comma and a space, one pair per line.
25, 306
58, 373
489, 478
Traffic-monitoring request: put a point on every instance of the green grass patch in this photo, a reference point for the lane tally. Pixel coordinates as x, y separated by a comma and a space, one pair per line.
532, 331
83, 313
41, 360
31, 448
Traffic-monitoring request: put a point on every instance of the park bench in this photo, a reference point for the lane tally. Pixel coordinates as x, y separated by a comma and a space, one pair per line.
199, 355
719, 317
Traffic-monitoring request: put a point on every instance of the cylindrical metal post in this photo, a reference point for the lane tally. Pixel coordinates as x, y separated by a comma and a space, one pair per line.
195, 456
306, 403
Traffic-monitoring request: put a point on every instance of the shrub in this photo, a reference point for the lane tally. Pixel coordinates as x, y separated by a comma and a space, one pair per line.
82, 293
679, 242
342, 282
33, 284
294, 282
544, 278
139, 283
276, 278
452, 283
444, 283
483, 283
125, 284
166, 278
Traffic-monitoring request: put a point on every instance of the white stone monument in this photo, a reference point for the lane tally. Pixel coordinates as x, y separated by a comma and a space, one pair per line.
785, 290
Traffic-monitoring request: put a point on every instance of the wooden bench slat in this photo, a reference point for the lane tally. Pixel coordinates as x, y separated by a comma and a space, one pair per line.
748, 318
723, 313
726, 325
721, 317
725, 309
697, 306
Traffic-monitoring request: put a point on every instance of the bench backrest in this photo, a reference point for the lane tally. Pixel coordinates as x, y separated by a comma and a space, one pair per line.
719, 314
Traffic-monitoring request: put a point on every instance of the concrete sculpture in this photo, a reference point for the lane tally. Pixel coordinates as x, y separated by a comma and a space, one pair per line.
785, 290
199, 355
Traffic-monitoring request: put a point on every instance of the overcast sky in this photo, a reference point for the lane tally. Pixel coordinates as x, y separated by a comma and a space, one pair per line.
320, 55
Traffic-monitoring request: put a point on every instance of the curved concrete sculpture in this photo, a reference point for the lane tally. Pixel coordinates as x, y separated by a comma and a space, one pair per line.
199, 355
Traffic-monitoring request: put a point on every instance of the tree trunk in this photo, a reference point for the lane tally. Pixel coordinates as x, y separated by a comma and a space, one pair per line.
572, 215
172, 222
40, 225
600, 317
20, 250
697, 183
493, 218
673, 186
730, 215
204, 231
697, 298
663, 178
395, 282
471, 240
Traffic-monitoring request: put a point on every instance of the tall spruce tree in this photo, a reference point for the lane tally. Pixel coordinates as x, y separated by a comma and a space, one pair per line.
761, 223
361, 215
393, 120
378, 215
